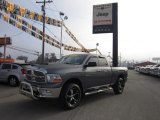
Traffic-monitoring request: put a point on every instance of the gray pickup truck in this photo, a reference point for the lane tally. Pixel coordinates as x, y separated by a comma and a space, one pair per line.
72, 77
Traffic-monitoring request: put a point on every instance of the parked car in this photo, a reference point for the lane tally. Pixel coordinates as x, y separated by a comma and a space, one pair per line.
73, 77
13, 73
154, 70
146, 69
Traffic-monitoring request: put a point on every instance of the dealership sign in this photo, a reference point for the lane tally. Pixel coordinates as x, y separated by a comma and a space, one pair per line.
5, 41
102, 18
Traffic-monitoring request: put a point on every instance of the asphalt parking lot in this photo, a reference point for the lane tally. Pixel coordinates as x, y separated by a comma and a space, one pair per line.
140, 101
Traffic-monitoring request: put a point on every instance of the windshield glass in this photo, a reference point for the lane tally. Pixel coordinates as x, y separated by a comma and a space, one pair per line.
73, 59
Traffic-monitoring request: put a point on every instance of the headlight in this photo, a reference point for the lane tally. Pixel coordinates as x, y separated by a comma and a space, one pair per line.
54, 78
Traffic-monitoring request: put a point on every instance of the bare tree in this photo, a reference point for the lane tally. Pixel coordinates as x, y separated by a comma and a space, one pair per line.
22, 58
9, 56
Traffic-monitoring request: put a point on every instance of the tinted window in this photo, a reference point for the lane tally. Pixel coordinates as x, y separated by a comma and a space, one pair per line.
14, 67
102, 62
93, 59
6, 66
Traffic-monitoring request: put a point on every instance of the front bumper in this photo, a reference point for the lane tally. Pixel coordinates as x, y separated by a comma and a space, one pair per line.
37, 92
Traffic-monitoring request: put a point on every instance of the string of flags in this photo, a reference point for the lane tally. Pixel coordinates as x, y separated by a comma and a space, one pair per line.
35, 32
14, 17
33, 28
20, 26
21, 11
74, 38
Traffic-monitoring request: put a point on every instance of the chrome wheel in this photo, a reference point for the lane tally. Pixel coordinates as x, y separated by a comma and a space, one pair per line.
120, 85
73, 96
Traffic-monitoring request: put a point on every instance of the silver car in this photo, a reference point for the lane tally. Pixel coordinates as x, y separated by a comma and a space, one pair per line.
12, 73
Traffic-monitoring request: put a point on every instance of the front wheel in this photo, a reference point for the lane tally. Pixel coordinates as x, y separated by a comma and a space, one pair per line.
118, 87
71, 96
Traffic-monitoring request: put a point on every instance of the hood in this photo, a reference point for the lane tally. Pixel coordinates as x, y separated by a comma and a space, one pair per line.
57, 67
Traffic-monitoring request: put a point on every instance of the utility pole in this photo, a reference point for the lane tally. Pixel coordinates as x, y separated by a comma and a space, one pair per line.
44, 20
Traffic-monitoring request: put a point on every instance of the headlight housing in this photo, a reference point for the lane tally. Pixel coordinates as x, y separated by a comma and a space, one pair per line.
54, 78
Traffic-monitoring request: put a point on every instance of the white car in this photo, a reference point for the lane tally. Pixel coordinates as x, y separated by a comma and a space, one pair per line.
12, 73
154, 70
146, 69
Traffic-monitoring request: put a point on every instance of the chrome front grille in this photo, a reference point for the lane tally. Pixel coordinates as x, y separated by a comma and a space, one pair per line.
35, 76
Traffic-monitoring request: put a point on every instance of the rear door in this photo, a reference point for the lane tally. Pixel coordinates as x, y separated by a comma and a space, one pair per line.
105, 71
5, 69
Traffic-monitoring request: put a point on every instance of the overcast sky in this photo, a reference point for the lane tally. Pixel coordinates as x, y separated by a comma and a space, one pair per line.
138, 20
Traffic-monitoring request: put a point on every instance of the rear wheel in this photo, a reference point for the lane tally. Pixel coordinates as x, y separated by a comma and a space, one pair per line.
13, 81
118, 87
71, 96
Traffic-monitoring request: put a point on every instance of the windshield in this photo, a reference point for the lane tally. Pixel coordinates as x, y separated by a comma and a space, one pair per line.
73, 59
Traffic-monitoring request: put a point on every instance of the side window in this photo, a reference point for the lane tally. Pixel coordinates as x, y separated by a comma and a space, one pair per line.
93, 59
103, 62
6, 66
14, 67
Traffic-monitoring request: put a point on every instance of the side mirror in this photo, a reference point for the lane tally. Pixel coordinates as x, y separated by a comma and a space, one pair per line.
91, 64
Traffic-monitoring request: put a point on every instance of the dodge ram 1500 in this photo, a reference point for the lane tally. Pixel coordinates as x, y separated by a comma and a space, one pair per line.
72, 77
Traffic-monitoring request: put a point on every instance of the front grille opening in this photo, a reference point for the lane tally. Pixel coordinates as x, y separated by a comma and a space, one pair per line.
35, 76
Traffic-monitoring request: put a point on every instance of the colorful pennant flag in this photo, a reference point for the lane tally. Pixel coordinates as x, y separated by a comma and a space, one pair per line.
11, 7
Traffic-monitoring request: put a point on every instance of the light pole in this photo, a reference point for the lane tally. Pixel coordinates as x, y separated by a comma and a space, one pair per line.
97, 44
62, 20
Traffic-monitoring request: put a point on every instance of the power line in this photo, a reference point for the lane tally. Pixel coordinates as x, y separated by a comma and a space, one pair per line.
46, 28
20, 33
55, 6
52, 9
21, 50
25, 49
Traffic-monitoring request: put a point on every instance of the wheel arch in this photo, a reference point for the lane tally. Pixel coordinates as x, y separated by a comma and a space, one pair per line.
76, 81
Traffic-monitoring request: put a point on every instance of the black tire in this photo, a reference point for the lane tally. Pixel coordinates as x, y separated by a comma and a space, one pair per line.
13, 81
118, 87
71, 96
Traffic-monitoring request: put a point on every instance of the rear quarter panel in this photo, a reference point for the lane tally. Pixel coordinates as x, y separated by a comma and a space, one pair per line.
119, 71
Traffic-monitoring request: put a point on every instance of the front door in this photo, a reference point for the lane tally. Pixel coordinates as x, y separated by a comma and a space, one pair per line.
94, 76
